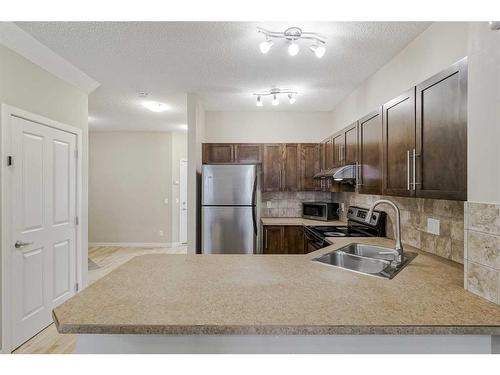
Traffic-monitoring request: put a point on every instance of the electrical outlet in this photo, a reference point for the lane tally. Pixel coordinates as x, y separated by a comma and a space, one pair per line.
269, 204
160, 232
342, 207
433, 226
165, 201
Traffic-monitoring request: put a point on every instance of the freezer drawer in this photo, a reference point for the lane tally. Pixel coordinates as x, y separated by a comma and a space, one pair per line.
228, 185
228, 230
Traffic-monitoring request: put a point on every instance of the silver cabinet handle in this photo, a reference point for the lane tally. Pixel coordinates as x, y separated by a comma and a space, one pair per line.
408, 169
20, 244
415, 183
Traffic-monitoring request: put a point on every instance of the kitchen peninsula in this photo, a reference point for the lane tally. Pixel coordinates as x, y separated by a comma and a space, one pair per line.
279, 304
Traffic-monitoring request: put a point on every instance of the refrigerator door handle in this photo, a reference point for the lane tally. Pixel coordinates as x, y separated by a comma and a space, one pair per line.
254, 205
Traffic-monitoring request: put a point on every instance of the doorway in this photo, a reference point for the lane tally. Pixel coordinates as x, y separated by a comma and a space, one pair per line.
183, 201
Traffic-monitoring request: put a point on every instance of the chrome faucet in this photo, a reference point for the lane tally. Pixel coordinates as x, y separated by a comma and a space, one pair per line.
398, 247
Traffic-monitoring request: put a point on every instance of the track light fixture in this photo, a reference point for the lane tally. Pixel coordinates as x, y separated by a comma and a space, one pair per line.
292, 35
275, 93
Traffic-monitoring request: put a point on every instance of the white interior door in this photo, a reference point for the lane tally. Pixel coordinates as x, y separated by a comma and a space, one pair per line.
42, 228
183, 202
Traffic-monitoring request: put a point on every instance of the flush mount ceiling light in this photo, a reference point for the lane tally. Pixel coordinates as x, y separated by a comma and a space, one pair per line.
275, 93
292, 35
155, 106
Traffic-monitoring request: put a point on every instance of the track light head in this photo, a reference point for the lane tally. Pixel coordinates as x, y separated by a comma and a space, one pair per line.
319, 50
291, 98
259, 101
275, 101
293, 48
265, 46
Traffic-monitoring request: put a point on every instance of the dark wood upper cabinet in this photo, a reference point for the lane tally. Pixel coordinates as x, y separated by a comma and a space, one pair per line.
350, 153
247, 153
370, 153
310, 164
441, 162
273, 240
290, 179
338, 141
272, 162
293, 240
328, 154
398, 144
214, 153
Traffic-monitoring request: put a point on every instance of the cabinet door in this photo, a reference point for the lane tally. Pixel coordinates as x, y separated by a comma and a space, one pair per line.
294, 240
328, 154
247, 153
351, 144
273, 240
310, 164
441, 163
290, 180
398, 144
370, 153
338, 149
271, 167
217, 153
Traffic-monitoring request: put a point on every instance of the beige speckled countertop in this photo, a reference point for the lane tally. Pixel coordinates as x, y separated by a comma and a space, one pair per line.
277, 294
297, 221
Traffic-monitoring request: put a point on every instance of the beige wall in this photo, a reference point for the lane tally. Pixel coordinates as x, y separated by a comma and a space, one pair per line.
442, 44
179, 151
267, 126
26, 86
130, 176
483, 114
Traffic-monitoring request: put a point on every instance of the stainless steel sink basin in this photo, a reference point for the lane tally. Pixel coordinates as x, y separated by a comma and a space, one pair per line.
366, 259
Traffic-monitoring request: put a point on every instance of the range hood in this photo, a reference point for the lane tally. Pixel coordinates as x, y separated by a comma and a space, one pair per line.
346, 173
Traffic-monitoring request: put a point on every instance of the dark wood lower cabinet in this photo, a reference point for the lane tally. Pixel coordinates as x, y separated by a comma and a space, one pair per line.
273, 240
283, 239
294, 239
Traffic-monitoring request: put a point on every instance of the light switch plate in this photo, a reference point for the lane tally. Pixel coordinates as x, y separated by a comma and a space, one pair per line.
165, 201
433, 226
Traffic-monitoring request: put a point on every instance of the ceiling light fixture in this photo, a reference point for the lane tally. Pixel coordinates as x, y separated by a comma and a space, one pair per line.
155, 106
292, 96
292, 35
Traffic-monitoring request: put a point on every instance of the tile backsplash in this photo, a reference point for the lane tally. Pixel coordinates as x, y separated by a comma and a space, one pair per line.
415, 213
482, 253
288, 204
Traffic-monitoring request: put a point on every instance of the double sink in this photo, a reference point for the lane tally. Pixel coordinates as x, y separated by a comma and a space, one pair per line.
367, 259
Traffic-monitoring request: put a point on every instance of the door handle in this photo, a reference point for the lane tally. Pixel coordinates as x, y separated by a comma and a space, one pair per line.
20, 244
408, 169
415, 183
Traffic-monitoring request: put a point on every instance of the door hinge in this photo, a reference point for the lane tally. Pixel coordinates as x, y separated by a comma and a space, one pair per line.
76, 154
77, 220
77, 287
10, 160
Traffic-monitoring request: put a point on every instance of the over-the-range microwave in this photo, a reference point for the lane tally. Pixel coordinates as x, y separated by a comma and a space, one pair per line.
323, 211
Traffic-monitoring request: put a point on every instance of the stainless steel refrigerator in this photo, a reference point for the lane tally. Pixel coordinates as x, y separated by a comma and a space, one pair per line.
229, 217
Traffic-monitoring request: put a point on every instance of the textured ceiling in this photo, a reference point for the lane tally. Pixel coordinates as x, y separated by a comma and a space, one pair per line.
220, 61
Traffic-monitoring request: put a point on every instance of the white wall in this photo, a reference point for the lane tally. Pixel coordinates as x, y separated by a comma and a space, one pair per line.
26, 86
179, 151
130, 177
442, 44
196, 135
264, 126
484, 114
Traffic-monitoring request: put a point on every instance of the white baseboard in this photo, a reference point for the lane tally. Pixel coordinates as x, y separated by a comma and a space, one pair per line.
133, 244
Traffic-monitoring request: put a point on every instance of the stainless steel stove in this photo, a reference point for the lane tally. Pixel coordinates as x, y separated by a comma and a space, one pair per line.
356, 227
